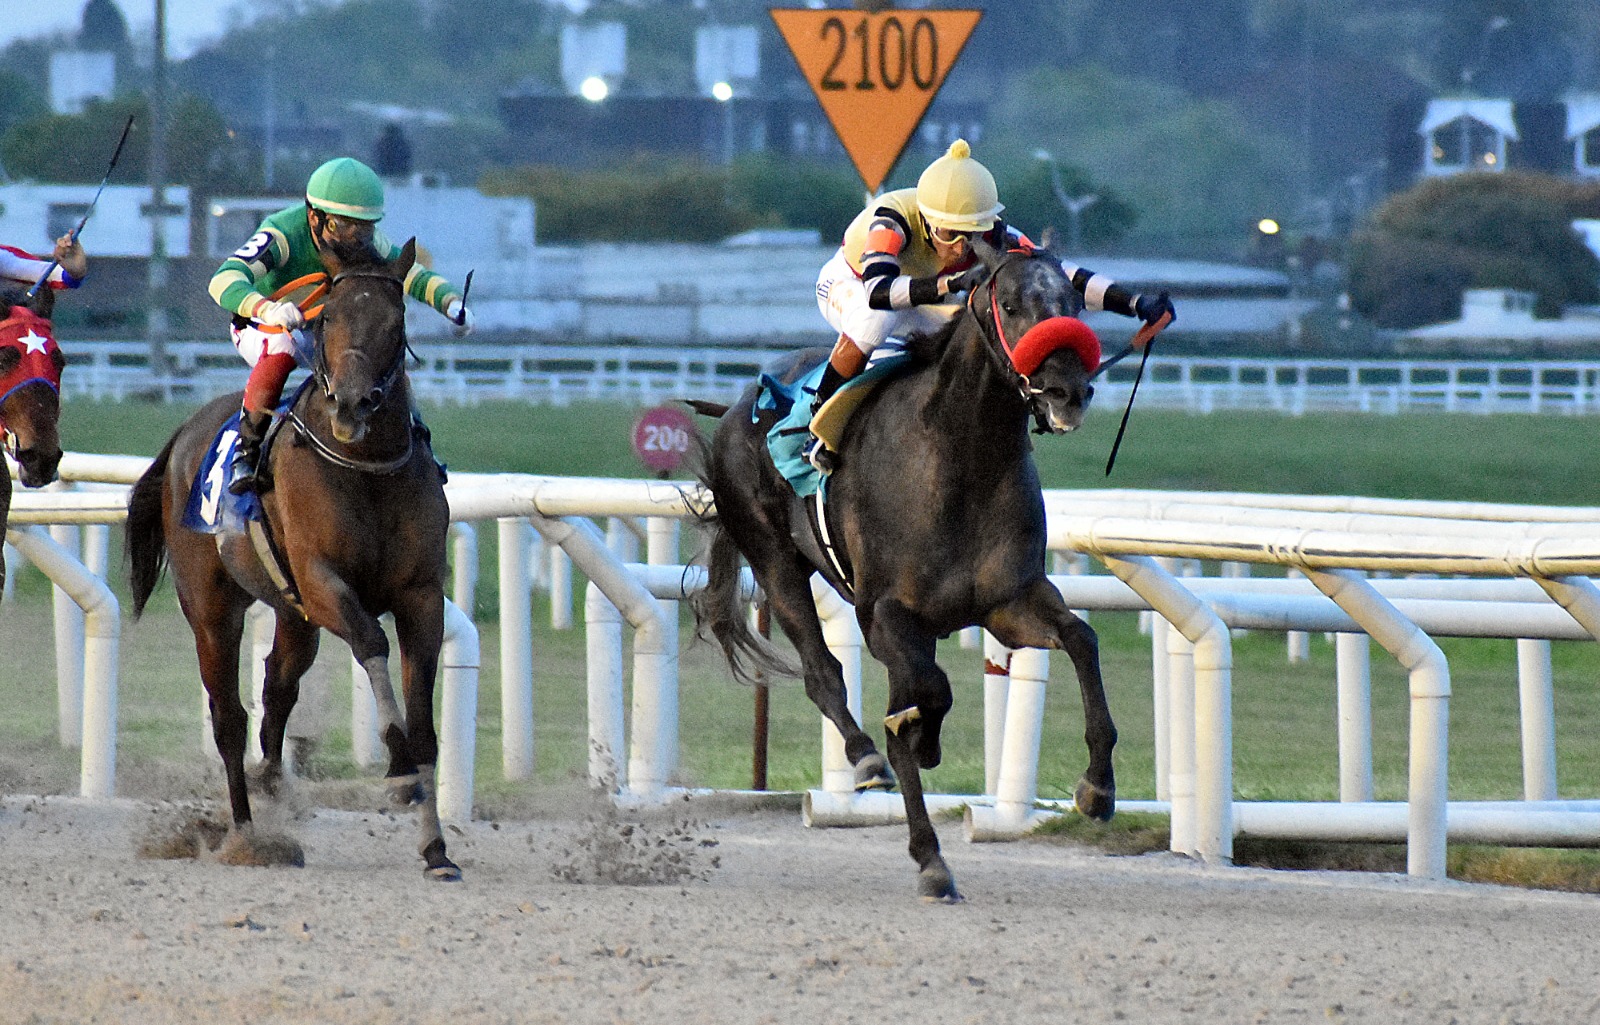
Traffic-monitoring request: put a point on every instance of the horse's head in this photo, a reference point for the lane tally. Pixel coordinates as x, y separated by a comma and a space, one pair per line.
361, 335
1027, 310
30, 383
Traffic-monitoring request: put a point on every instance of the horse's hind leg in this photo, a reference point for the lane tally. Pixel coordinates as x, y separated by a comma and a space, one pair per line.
216, 643
1040, 619
788, 588
294, 649
419, 627
919, 698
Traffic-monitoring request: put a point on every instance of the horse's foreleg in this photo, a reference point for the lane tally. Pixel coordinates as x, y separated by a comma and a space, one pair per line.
294, 648
331, 603
789, 598
419, 627
1040, 619
919, 699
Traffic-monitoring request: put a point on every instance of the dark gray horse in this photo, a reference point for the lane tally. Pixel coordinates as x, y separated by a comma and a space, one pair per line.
937, 513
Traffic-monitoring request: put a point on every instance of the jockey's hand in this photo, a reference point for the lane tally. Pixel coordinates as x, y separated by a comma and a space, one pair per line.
1151, 308
460, 318
282, 314
963, 281
70, 255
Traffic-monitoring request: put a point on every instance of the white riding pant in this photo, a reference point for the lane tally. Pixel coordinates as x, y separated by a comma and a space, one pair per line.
842, 298
252, 343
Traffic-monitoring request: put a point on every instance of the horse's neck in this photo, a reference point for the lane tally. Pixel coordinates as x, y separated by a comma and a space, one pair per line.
973, 403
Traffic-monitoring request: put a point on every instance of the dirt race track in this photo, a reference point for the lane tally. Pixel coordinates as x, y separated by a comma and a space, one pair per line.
789, 926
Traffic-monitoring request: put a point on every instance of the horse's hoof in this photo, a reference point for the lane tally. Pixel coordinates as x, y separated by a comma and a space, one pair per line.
936, 886
1098, 803
873, 773
445, 873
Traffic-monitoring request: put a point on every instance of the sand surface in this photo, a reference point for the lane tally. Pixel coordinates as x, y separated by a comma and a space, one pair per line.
759, 920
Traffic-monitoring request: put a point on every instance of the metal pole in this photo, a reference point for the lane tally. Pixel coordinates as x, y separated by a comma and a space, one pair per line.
156, 323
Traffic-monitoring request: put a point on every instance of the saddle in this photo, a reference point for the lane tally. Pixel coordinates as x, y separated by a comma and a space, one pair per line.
791, 401
786, 439
212, 509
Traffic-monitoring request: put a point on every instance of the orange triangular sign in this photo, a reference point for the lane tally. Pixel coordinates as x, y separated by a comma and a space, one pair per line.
875, 73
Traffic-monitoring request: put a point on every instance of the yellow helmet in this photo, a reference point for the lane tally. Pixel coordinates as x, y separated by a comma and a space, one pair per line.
957, 193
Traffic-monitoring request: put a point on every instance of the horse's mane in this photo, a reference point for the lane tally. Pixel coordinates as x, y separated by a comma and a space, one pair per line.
351, 255
17, 295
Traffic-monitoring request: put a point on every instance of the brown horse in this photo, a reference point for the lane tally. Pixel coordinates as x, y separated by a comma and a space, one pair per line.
30, 382
358, 518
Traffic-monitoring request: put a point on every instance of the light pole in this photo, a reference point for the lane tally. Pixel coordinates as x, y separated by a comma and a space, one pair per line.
722, 92
1073, 205
156, 322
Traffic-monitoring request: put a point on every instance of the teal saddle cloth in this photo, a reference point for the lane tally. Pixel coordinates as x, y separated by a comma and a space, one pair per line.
787, 438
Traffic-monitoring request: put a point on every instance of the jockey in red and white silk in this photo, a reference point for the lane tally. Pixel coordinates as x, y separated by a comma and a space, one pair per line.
72, 266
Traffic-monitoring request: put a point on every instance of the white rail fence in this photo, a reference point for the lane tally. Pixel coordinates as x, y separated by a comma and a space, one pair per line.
559, 374
1529, 571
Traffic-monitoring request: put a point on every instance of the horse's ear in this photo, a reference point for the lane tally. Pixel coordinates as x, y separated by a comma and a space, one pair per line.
989, 255
43, 303
401, 265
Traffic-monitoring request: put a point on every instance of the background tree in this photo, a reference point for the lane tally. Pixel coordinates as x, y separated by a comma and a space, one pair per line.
75, 147
1512, 230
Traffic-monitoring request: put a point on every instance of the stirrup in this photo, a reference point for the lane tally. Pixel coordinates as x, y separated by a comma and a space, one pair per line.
245, 478
823, 459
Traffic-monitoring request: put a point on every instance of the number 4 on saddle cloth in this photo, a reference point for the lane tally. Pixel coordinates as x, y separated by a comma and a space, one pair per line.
787, 438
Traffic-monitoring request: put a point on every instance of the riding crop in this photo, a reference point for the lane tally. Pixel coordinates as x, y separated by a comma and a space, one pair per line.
466, 286
73, 235
1145, 337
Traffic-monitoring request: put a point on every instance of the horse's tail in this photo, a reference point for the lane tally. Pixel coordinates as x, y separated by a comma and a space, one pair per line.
145, 533
719, 610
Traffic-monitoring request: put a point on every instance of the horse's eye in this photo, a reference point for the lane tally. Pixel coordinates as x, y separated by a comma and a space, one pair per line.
58, 359
1011, 311
9, 358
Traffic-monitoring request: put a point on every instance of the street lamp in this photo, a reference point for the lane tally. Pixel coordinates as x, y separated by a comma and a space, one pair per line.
594, 89
1073, 205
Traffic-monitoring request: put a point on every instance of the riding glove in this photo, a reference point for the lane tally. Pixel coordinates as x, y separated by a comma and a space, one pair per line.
460, 318
963, 281
282, 314
1149, 308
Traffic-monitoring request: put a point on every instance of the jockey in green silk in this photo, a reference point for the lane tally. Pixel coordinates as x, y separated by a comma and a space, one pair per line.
265, 281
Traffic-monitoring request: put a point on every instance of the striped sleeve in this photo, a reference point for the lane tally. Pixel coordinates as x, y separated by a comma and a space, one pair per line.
421, 283
1099, 291
887, 288
233, 286
20, 265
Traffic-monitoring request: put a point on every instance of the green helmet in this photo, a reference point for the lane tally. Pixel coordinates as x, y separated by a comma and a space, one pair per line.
348, 188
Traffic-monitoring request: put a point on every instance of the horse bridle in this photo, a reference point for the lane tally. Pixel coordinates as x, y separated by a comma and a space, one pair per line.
321, 372
321, 375
999, 347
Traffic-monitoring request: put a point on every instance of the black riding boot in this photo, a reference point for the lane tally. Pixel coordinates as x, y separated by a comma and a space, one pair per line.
247, 472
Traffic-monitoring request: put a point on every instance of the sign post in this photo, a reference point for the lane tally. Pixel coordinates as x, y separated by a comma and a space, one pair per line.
875, 72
